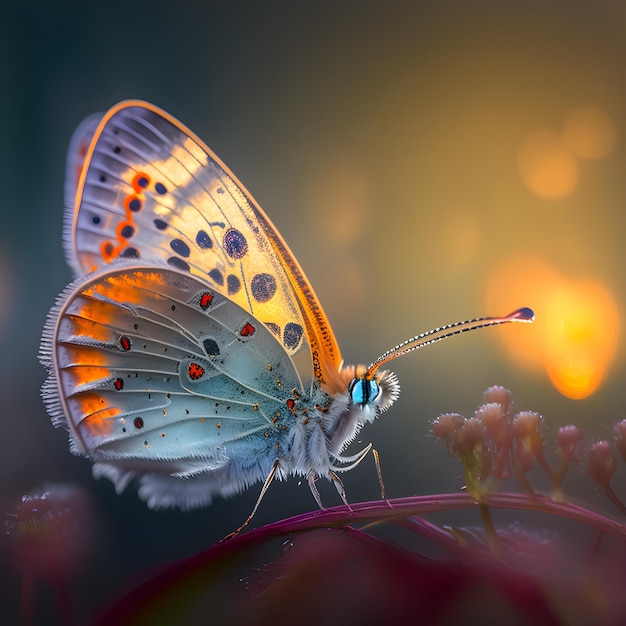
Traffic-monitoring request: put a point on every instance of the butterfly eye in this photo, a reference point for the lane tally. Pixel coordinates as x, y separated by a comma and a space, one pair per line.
363, 391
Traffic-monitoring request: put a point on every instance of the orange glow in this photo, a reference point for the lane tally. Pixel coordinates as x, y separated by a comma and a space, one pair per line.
546, 166
524, 280
575, 336
589, 132
583, 329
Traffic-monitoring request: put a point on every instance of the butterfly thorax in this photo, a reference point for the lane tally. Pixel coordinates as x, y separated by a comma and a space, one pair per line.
321, 435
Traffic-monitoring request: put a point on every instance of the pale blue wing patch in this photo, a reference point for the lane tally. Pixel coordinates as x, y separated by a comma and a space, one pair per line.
158, 375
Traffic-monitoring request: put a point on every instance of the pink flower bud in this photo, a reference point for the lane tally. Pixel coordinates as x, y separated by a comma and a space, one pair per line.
446, 424
528, 438
500, 395
492, 416
567, 441
600, 463
471, 435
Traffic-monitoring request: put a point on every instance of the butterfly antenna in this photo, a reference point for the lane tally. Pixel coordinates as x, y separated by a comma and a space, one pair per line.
521, 315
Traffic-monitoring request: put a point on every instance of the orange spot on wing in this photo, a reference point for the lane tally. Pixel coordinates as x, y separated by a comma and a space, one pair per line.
139, 178
90, 413
127, 287
82, 327
128, 200
119, 231
83, 355
108, 251
92, 319
77, 376
101, 424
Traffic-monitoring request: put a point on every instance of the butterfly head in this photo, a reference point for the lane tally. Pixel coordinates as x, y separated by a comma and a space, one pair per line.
374, 393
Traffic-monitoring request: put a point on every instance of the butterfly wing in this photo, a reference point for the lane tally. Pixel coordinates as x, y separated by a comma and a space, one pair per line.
74, 164
149, 189
156, 375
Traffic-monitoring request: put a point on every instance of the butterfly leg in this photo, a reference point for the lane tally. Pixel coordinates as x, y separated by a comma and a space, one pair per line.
312, 478
266, 485
340, 488
380, 476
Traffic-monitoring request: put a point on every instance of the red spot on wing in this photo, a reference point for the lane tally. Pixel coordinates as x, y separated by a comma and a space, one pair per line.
206, 300
125, 343
195, 371
247, 330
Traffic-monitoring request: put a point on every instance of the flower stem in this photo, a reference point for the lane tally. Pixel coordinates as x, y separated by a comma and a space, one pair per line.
612, 496
490, 529
557, 481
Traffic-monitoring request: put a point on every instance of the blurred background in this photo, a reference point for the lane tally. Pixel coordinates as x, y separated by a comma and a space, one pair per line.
426, 162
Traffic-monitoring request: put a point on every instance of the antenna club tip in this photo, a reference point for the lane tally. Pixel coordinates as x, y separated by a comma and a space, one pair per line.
525, 314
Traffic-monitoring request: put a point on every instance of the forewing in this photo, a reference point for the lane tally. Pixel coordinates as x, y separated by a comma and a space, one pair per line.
149, 189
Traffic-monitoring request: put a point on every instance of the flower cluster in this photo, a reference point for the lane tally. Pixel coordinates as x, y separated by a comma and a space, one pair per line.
497, 443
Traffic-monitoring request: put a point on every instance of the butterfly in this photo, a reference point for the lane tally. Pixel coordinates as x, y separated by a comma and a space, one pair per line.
191, 351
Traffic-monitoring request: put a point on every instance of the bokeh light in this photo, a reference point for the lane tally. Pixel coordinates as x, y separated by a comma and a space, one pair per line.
575, 336
583, 324
523, 279
546, 165
589, 132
